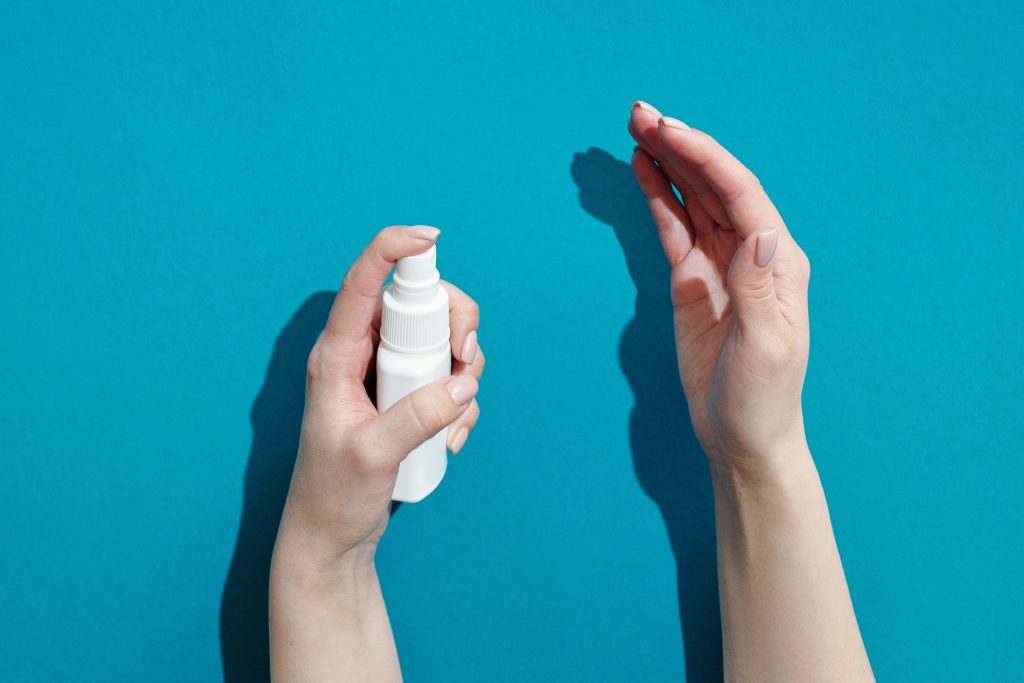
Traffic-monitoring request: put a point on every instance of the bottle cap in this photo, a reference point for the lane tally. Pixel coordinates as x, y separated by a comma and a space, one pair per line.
415, 310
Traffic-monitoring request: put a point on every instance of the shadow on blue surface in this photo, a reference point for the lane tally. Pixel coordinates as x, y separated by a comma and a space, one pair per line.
276, 417
667, 458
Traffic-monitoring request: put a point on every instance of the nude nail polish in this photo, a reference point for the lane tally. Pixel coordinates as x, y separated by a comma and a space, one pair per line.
640, 104
468, 354
423, 232
462, 389
764, 250
458, 440
672, 123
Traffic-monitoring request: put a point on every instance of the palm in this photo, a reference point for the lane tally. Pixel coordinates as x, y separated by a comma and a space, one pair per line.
704, 320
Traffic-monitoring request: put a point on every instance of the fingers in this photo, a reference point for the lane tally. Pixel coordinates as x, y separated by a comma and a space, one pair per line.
752, 284
748, 207
422, 414
464, 319
460, 429
356, 305
669, 216
701, 203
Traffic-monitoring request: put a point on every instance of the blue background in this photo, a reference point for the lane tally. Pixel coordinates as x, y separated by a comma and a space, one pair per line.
181, 182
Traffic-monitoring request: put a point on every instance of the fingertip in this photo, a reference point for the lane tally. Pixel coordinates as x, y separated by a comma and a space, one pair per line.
674, 135
647, 173
467, 352
457, 439
642, 111
462, 388
767, 243
422, 232
399, 241
643, 125
667, 122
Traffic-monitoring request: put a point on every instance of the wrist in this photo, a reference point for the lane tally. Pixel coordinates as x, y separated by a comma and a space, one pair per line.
302, 560
297, 575
782, 462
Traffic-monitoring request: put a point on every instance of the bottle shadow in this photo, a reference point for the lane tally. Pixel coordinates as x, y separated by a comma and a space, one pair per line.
667, 458
276, 417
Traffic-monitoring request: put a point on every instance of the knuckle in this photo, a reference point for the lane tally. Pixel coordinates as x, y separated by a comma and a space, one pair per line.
775, 351
758, 289
472, 309
385, 235
427, 413
348, 283
323, 368
746, 184
805, 264
314, 363
471, 416
703, 158
362, 456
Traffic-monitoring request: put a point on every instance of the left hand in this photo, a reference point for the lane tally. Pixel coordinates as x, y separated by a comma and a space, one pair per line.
739, 292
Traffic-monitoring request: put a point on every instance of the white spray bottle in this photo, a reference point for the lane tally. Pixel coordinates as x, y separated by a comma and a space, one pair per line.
415, 350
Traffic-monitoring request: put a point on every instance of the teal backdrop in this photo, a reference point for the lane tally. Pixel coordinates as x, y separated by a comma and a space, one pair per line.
182, 185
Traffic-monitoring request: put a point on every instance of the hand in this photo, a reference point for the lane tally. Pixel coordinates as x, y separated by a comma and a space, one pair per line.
739, 291
348, 458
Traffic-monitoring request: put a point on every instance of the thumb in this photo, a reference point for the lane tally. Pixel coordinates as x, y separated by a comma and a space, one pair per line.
408, 423
751, 282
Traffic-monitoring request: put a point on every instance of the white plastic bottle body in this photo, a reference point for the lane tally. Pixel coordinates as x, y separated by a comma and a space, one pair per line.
399, 374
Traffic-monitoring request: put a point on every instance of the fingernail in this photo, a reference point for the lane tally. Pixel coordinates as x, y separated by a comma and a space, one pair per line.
458, 440
767, 241
423, 232
468, 353
640, 104
672, 123
462, 389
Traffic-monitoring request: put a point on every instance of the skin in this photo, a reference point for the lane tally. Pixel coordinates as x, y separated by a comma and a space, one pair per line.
327, 615
739, 292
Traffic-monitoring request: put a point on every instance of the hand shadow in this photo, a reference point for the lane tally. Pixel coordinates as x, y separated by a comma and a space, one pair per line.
667, 458
276, 417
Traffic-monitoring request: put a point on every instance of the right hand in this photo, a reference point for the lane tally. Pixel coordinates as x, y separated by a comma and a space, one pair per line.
739, 291
340, 494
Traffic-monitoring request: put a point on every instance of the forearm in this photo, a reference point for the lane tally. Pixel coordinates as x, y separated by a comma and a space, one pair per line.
328, 625
786, 609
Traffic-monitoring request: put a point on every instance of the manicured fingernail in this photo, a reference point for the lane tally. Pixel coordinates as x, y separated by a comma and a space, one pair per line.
640, 104
458, 439
423, 232
462, 389
468, 353
767, 241
672, 123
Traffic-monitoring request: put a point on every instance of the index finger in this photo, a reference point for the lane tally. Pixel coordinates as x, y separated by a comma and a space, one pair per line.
464, 317
356, 304
749, 208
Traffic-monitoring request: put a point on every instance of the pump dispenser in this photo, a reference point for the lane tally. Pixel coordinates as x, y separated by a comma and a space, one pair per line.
414, 351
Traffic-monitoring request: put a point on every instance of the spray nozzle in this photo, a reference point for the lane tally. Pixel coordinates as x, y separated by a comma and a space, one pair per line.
416, 276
